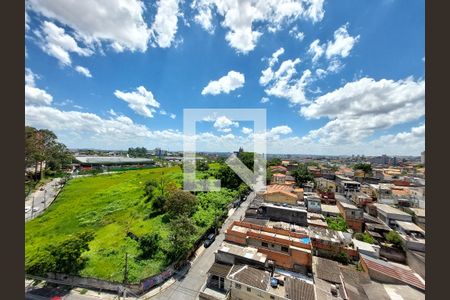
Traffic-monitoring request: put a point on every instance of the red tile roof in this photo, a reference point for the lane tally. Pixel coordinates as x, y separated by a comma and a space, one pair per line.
388, 269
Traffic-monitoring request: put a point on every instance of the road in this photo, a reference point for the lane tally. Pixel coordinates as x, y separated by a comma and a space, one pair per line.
42, 198
188, 286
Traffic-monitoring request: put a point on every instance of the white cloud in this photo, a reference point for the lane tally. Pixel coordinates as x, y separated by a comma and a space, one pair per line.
30, 77
282, 82
173, 116
315, 50
112, 113
283, 129
264, 100
296, 34
342, 44
246, 130
34, 95
239, 17
204, 15
115, 22
233, 80
359, 108
224, 124
84, 71
320, 73
37, 96
57, 43
165, 25
140, 101
162, 112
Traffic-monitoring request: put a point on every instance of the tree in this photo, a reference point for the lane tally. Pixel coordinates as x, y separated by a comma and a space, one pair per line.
343, 258
302, 175
182, 230
41, 147
336, 223
201, 165
137, 152
274, 162
366, 168
179, 202
149, 245
394, 238
62, 258
67, 255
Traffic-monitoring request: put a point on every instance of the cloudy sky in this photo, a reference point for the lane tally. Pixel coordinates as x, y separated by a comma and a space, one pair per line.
336, 77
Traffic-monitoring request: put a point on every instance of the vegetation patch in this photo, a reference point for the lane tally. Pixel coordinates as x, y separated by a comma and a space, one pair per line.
119, 210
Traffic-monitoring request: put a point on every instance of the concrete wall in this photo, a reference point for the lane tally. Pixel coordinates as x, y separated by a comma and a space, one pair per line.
416, 262
280, 198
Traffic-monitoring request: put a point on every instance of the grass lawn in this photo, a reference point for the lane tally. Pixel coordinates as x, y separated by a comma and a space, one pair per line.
112, 205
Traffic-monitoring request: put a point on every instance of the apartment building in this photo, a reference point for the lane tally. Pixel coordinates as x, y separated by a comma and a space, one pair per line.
353, 216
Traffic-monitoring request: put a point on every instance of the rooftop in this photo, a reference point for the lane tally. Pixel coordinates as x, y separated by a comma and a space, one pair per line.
250, 276
110, 159
403, 274
247, 252
330, 209
409, 226
390, 210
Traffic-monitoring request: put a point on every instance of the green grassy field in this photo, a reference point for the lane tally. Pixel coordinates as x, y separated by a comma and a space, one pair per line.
113, 205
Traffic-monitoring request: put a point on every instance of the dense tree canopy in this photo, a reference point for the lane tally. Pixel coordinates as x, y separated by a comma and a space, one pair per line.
302, 175
182, 231
137, 152
180, 202
42, 147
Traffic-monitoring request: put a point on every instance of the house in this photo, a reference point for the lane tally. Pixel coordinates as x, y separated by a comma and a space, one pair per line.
313, 203
277, 193
216, 287
361, 199
418, 216
329, 243
389, 215
353, 216
366, 248
247, 283
413, 236
315, 219
278, 169
287, 249
231, 254
279, 178
282, 212
330, 210
345, 185
327, 278
386, 272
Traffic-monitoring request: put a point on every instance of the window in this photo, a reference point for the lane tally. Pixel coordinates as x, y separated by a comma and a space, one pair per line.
264, 244
237, 285
284, 249
272, 297
249, 289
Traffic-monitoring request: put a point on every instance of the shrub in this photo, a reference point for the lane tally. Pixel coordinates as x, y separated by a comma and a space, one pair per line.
394, 238
337, 223
365, 237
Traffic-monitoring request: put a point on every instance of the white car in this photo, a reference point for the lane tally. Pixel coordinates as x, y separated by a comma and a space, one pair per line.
35, 209
27, 209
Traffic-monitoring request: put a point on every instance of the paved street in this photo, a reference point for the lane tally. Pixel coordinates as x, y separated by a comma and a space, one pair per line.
189, 286
42, 198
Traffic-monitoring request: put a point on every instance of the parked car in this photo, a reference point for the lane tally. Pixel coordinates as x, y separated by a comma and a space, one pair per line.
27, 209
35, 209
209, 240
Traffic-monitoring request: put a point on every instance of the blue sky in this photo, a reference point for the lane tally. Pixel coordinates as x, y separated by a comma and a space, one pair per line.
336, 77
